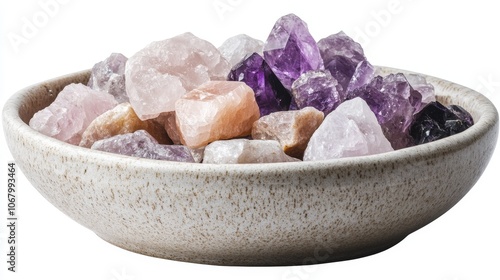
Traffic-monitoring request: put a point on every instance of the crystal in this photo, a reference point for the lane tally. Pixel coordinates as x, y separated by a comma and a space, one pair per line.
216, 110
317, 89
292, 129
290, 50
74, 108
270, 94
109, 76
342, 69
161, 73
362, 75
236, 48
142, 144
351, 130
245, 151
340, 45
419, 83
121, 120
167, 120
394, 102
435, 121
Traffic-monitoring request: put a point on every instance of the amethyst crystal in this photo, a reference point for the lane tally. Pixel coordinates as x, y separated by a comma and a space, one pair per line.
109, 76
317, 89
142, 144
420, 84
342, 70
435, 121
290, 50
394, 102
363, 74
340, 45
270, 94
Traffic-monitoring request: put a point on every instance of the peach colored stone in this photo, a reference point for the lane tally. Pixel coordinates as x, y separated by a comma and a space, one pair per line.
216, 110
121, 120
167, 120
292, 129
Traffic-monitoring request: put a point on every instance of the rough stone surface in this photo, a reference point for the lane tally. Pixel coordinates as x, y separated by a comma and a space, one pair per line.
167, 120
121, 120
362, 75
245, 151
109, 76
340, 45
142, 144
317, 89
162, 72
74, 108
351, 130
420, 84
435, 121
342, 69
270, 94
292, 129
214, 111
236, 48
290, 50
394, 102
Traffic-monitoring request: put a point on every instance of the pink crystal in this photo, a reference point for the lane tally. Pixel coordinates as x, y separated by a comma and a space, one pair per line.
290, 50
216, 110
167, 120
164, 71
245, 151
74, 108
142, 144
292, 129
351, 130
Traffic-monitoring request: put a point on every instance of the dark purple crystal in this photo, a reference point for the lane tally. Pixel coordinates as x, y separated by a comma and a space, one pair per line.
435, 122
270, 94
342, 69
394, 102
290, 50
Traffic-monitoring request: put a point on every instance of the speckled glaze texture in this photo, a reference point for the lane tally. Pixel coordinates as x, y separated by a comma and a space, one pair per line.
264, 214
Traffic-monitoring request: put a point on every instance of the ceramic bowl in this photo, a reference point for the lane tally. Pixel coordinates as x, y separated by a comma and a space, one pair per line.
261, 214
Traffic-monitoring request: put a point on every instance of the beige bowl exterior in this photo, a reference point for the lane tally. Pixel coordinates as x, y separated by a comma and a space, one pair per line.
263, 214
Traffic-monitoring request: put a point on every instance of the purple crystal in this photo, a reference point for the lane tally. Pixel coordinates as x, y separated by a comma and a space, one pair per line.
342, 69
290, 50
142, 144
318, 89
340, 45
435, 121
420, 84
270, 94
363, 74
109, 76
394, 102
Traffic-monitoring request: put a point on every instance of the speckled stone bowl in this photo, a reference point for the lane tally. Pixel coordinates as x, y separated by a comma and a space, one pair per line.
262, 214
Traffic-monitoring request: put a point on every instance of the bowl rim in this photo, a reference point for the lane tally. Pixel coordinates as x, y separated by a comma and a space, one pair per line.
488, 118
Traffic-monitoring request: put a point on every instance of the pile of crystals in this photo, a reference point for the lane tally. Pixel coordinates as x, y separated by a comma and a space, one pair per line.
289, 98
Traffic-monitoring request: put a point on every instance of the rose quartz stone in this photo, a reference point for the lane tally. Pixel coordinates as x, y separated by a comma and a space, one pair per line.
74, 108
292, 129
214, 111
162, 72
121, 120
167, 120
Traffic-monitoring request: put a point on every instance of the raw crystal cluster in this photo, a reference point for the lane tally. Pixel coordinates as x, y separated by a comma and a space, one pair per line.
245, 151
121, 120
289, 98
142, 144
161, 73
435, 121
109, 76
215, 111
72, 111
351, 130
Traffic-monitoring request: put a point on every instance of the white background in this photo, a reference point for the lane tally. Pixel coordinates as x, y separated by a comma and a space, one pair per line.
454, 40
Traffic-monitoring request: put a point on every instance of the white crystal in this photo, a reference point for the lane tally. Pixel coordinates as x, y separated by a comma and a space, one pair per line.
350, 130
236, 48
419, 83
245, 151
162, 72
